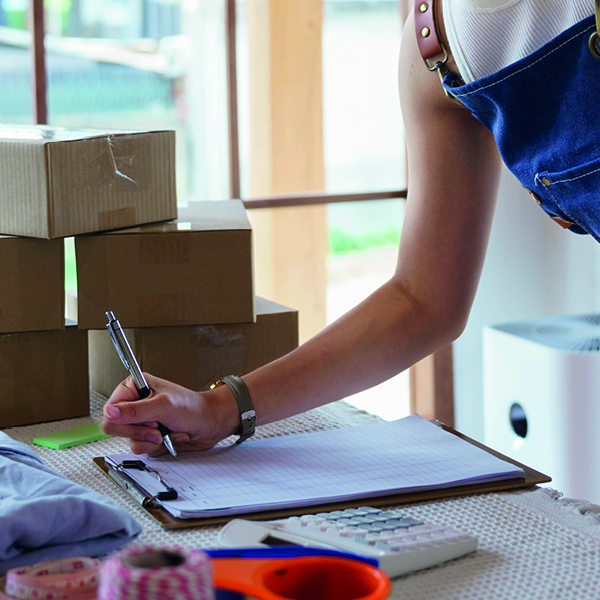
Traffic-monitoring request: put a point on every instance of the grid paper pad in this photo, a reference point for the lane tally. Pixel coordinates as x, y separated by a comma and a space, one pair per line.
409, 454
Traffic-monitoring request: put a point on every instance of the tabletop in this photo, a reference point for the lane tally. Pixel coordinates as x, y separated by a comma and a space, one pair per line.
533, 543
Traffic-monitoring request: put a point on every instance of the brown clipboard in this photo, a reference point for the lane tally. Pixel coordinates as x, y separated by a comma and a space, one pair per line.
532, 477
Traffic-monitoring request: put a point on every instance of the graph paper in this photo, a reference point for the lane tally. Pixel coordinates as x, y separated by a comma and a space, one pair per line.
406, 455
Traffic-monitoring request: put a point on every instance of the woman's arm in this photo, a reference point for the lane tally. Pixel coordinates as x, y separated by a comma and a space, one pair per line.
453, 167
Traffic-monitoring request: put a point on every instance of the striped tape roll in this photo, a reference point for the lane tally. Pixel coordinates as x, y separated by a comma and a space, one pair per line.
65, 579
151, 573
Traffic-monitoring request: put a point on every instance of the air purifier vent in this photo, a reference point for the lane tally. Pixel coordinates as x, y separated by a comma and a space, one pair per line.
579, 333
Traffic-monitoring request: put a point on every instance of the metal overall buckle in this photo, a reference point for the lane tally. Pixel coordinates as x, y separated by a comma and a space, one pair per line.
594, 41
441, 68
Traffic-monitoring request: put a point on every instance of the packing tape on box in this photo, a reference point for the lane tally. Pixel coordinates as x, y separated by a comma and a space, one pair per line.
154, 573
65, 579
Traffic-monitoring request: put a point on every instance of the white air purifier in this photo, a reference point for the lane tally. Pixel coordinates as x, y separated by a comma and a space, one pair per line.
542, 398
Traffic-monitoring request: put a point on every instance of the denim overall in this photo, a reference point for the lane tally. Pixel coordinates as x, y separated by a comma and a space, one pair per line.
544, 112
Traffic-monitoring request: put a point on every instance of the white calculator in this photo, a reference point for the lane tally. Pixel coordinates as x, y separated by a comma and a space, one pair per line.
399, 542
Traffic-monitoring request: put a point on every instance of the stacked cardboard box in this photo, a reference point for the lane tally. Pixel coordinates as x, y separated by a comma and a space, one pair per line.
56, 183
182, 283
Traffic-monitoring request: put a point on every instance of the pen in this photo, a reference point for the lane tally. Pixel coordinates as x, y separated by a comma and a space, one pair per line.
117, 335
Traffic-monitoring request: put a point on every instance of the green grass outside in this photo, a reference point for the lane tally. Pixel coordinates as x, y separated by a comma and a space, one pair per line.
342, 241
70, 271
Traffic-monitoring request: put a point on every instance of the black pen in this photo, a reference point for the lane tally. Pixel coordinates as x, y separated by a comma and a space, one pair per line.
117, 335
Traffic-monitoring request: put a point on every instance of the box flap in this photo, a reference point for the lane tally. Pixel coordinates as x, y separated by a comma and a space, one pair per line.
219, 215
44, 134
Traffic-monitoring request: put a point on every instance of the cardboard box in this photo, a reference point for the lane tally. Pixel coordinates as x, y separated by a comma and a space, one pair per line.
43, 376
192, 271
195, 356
57, 182
31, 284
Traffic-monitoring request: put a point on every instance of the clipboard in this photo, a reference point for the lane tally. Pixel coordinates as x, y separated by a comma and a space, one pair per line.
168, 521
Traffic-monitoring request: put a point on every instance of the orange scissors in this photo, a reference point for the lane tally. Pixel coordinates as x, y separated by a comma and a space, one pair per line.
296, 574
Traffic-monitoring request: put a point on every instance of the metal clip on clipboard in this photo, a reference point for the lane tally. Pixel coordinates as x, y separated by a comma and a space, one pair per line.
144, 498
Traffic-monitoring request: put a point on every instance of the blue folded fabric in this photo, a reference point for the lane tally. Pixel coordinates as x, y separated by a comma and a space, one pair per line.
45, 516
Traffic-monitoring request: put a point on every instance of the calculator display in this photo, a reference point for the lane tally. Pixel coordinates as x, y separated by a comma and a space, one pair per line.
273, 541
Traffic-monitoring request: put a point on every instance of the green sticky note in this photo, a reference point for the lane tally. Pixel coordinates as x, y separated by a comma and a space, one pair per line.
72, 437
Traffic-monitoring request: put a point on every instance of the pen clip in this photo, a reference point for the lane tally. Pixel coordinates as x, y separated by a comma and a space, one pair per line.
118, 347
124, 350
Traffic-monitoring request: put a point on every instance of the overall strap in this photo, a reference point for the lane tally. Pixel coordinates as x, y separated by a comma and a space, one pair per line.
426, 29
428, 40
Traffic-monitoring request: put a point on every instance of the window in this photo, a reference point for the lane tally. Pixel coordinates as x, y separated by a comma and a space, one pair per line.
154, 64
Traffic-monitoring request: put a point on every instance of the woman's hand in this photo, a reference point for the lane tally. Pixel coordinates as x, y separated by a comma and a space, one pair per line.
197, 420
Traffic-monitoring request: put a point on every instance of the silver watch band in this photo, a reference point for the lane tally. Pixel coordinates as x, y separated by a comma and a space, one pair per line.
244, 402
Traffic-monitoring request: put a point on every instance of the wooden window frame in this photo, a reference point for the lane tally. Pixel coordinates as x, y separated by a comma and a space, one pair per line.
431, 382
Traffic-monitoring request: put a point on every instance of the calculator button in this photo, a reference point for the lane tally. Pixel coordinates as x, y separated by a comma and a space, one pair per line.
395, 522
347, 521
369, 510
371, 528
396, 514
408, 522
364, 519
386, 534
397, 539
348, 532
310, 519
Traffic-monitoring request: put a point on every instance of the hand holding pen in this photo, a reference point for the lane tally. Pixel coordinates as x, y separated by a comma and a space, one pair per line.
124, 350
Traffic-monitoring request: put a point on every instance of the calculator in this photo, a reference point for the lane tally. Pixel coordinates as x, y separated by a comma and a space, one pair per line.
399, 542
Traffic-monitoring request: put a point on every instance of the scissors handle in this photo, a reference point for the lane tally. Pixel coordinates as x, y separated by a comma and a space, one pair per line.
301, 578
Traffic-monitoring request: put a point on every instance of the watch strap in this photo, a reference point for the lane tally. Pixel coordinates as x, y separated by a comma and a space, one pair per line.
245, 406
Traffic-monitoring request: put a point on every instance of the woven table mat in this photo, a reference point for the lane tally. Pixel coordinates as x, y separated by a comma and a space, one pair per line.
532, 543
76, 462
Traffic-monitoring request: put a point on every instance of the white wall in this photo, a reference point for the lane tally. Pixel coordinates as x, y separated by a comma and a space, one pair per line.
533, 269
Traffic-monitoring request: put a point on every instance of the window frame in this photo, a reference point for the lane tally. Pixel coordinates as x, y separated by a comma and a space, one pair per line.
431, 380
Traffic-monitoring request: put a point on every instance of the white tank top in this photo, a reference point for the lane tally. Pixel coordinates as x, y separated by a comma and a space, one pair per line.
486, 35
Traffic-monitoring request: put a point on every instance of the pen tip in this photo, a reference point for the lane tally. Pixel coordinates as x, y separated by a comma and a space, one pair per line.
169, 445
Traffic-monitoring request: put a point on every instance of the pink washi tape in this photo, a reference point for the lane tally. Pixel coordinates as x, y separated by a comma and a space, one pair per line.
156, 573
65, 579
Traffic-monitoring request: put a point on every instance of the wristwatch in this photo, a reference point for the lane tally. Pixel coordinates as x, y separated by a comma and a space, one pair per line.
244, 402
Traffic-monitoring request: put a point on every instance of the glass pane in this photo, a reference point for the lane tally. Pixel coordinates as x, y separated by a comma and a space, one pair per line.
363, 242
364, 138
364, 151
145, 64
15, 63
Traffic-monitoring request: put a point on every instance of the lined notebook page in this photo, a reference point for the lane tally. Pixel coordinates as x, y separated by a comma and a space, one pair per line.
406, 455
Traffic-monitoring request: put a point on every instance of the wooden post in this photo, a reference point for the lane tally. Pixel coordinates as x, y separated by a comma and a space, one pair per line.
431, 387
38, 60
286, 154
